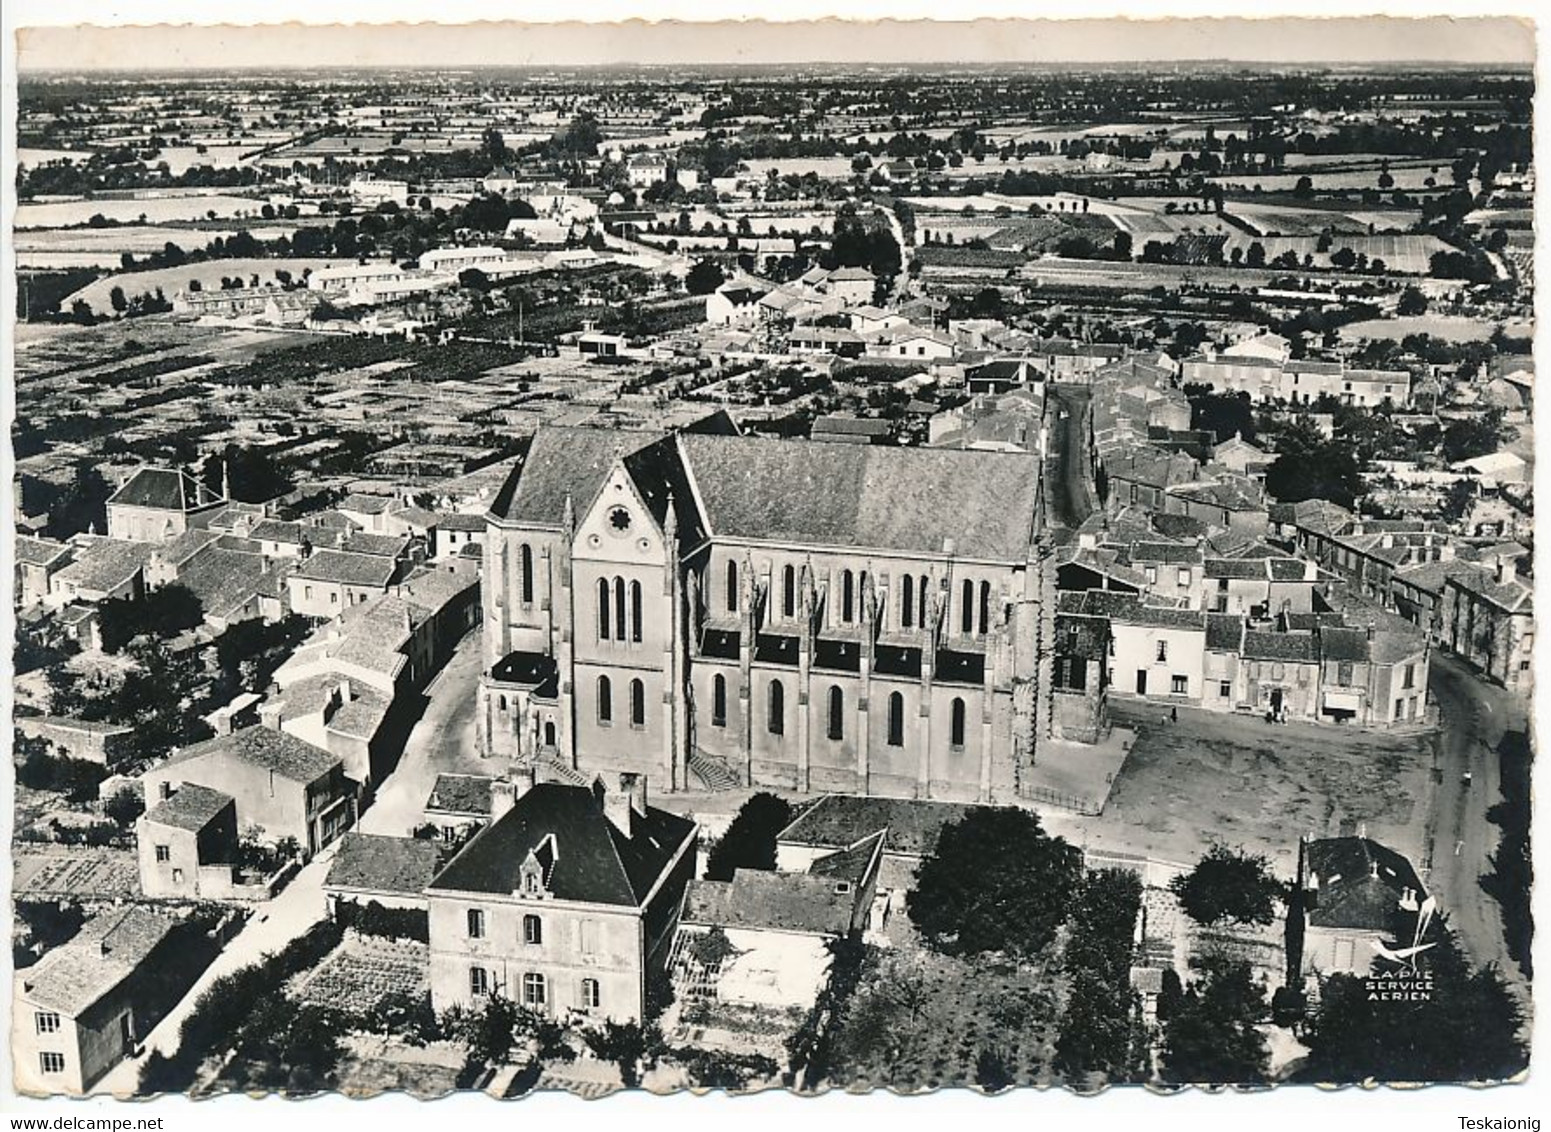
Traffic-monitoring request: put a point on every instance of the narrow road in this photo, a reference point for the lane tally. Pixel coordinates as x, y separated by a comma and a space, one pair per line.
443, 740
1067, 465
1475, 714
902, 280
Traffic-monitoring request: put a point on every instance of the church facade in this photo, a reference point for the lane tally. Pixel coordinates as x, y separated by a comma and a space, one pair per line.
715, 610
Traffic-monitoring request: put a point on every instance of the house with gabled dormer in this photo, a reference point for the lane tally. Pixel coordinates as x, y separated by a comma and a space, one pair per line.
565, 903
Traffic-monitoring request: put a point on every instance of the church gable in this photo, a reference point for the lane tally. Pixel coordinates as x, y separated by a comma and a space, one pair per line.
618, 526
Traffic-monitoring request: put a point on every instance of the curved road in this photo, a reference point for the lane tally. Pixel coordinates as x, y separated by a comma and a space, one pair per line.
1475, 714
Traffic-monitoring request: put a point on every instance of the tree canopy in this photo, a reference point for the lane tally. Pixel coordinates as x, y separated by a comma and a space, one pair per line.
996, 882
703, 278
1210, 1036
1308, 466
750, 840
1229, 885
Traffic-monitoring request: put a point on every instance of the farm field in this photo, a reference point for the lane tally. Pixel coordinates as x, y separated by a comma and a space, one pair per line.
1409, 255
1452, 328
1413, 178
62, 214
128, 238
209, 274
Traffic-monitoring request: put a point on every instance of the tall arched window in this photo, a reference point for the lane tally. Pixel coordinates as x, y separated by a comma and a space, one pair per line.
837, 713
896, 720
788, 591
718, 700
847, 597
635, 612
985, 608
922, 597
907, 601
525, 567
732, 586
956, 724
637, 704
777, 722
603, 609
605, 700
967, 608
619, 608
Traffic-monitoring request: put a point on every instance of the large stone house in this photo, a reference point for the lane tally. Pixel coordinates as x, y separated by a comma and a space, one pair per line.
156, 504
565, 903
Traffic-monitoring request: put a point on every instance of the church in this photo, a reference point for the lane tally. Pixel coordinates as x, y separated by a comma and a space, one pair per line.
715, 610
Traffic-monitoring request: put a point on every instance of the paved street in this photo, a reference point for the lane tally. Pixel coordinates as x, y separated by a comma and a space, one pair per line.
442, 741
1067, 467
271, 927
1475, 714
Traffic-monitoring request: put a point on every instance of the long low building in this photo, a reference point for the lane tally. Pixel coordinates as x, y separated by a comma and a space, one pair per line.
1300, 382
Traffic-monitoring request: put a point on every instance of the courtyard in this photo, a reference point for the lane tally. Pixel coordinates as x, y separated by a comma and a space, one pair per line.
1212, 777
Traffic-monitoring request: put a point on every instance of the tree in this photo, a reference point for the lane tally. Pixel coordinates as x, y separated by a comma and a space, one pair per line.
1304, 188
622, 1043
1256, 256
1308, 466
703, 278
1211, 1037
1413, 301
1468, 1030
1229, 885
996, 881
165, 612
116, 297
1476, 436
750, 840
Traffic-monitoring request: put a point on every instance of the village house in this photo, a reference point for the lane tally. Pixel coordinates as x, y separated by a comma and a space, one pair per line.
156, 504
103, 568
283, 787
565, 904
1487, 616
88, 1004
37, 561
187, 844
330, 581
1352, 897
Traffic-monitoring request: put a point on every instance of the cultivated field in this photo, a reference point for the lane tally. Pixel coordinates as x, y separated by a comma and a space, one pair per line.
62, 214
1451, 328
209, 274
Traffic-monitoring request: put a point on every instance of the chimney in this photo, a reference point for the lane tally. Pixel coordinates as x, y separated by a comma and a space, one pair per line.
523, 779
630, 794
503, 795
1501, 569
1370, 630
346, 693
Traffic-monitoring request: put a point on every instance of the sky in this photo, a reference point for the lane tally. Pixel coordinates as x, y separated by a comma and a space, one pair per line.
1490, 41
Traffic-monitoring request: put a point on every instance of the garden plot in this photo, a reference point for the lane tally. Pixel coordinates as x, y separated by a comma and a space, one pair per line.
362, 971
101, 874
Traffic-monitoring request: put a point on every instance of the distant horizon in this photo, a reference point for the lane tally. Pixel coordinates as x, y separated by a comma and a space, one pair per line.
1371, 41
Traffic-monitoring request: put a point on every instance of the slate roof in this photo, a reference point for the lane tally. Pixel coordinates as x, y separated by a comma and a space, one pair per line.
165, 489
223, 580
365, 504
1166, 553
1340, 643
563, 461
594, 861
108, 949
865, 496
381, 546
264, 747
769, 901
1242, 568
38, 551
460, 794
104, 563
192, 807
1296, 648
1360, 882
839, 821
343, 567
1224, 632
458, 521
370, 862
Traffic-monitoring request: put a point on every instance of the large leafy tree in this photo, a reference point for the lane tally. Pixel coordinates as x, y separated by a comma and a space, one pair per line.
750, 840
1211, 1036
703, 278
1229, 884
1469, 1030
1308, 466
995, 882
